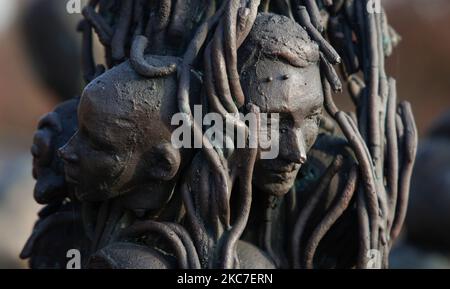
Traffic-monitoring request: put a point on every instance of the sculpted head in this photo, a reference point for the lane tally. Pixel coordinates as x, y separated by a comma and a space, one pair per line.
124, 136
279, 69
54, 130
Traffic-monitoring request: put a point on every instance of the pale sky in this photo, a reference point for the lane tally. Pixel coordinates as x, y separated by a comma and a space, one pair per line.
7, 13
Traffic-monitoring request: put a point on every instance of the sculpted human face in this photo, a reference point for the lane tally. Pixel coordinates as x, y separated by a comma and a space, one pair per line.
122, 141
95, 157
296, 95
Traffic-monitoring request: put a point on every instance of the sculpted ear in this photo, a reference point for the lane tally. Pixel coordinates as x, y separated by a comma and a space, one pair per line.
164, 162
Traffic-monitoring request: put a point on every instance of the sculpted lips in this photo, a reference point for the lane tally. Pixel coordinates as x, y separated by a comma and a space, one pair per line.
287, 169
286, 176
279, 167
71, 174
282, 172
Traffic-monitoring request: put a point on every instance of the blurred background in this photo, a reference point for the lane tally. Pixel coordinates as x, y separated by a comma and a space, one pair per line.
29, 89
39, 67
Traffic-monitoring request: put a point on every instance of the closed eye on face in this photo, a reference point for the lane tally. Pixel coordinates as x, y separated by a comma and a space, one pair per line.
96, 142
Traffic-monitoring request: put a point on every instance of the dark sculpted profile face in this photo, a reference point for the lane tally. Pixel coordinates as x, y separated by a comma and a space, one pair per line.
124, 136
280, 74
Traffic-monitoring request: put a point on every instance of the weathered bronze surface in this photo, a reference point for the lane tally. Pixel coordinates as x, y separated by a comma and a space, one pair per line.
120, 192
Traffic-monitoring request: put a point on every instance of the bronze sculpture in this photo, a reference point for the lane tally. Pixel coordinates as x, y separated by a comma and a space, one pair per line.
227, 207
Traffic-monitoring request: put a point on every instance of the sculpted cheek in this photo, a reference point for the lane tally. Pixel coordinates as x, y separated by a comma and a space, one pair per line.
102, 164
310, 133
113, 164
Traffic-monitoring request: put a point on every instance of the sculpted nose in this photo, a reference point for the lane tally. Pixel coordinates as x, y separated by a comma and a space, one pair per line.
296, 147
